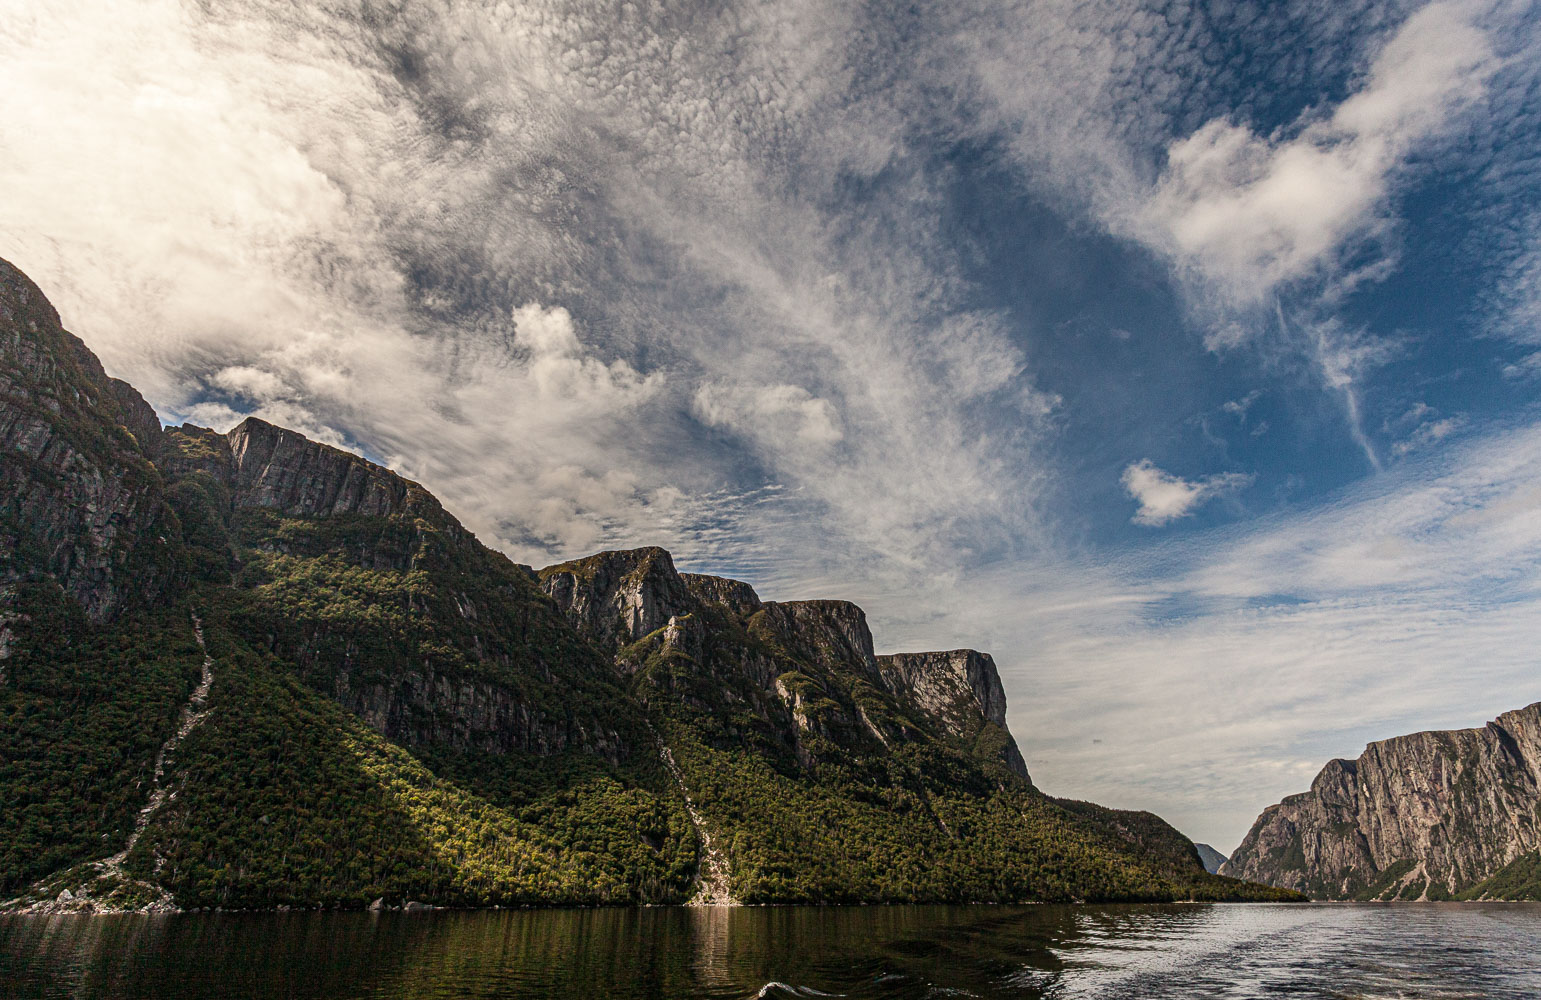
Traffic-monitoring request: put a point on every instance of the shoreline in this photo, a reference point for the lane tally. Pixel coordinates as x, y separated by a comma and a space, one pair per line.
412, 906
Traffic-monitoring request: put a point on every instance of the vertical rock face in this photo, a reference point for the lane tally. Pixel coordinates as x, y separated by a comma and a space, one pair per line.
1421, 816
134, 415
478, 653
496, 657
806, 668
618, 597
959, 680
190, 448
80, 502
960, 687
423, 707
736, 596
830, 633
286, 471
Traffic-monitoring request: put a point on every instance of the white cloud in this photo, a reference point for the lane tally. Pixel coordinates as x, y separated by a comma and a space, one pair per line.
1515, 305
294, 189
1244, 214
227, 205
1238, 407
1342, 357
1163, 497
1141, 120
252, 383
776, 416
561, 372
1427, 433
976, 358
1527, 367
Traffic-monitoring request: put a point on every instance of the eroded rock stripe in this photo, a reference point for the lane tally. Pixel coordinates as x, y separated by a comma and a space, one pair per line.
712, 879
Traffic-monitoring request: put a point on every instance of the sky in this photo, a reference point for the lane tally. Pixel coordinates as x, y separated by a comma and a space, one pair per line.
1185, 356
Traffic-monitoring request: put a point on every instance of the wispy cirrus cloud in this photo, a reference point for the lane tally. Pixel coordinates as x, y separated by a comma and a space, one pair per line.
1309, 209
342, 223
1422, 427
325, 185
1515, 301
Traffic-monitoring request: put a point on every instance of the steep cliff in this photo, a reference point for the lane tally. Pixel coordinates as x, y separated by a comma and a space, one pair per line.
80, 502
382, 680
280, 470
618, 597
805, 667
247, 669
830, 774
961, 688
735, 595
363, 580
1426, 816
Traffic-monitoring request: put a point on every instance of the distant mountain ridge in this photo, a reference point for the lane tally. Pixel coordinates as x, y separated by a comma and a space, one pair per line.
1434, 815
251, 670
1211, 858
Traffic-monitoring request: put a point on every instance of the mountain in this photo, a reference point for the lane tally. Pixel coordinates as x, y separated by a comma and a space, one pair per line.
250, 670
1435, 815
1211, 858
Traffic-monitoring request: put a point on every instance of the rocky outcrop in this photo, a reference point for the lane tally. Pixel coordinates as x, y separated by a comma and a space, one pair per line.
959, 685
800, 655
832, 634
424, 707
192, 449
485, 659
285, 471
80, 502
1420, 816
806, 668
618, 597
501, 650
736, 596
272, 468
960, 688
135, 414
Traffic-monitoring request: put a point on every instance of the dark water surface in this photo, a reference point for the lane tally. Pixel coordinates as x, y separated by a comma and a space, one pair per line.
1198, 951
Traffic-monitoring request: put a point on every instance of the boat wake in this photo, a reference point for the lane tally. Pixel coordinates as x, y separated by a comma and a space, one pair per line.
775, 989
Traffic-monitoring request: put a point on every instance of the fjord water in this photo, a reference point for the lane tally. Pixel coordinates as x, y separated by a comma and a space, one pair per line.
1187, 951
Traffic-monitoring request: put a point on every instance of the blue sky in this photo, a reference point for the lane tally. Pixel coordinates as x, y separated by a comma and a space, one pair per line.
1185, 356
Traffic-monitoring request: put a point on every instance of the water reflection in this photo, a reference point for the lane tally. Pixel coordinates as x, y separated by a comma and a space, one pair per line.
1042, 951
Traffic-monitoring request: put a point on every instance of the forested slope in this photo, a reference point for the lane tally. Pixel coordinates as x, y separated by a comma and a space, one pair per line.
251, 670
